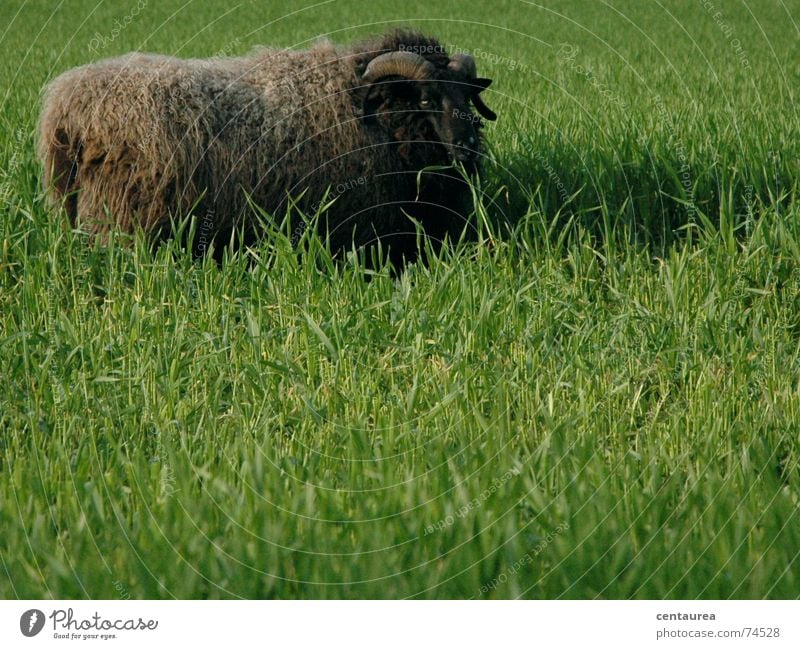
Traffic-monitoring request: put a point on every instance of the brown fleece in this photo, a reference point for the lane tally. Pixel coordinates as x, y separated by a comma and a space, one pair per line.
131, 141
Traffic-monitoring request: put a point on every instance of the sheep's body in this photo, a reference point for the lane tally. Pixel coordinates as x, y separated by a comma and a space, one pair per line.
130, 141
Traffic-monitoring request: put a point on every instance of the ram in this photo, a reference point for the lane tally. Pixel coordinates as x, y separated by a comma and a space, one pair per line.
132, 142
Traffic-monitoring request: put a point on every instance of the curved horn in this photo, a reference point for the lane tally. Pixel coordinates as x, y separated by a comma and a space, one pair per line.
463, 64
401, 64
483, 109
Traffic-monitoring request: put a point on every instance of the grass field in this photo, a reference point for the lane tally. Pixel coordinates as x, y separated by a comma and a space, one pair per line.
600, 398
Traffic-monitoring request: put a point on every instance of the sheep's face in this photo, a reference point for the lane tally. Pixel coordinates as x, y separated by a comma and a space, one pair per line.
429, 112
428, 108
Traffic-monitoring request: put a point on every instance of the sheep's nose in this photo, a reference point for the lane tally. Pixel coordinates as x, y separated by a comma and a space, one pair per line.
466, 142
465, 148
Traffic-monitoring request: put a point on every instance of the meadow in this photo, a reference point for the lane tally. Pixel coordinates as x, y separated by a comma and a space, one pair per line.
598, 398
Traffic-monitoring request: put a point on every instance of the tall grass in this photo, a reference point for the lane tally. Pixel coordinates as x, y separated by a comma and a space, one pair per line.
599, 398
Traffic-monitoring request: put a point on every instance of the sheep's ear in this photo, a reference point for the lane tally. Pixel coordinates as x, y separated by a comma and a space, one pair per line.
481, 83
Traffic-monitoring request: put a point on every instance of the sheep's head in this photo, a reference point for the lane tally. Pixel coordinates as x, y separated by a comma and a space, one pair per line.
418, 103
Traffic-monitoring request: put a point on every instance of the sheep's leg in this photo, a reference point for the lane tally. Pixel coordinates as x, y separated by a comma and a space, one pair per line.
61, 172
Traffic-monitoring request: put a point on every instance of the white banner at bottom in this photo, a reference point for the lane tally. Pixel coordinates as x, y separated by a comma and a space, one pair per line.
403, 624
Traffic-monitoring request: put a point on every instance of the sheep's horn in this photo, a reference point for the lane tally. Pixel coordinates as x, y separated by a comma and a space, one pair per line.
463, 64
483, 109
402, 64
479, 85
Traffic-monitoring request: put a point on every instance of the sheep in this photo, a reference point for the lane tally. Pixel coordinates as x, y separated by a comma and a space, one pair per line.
133, 141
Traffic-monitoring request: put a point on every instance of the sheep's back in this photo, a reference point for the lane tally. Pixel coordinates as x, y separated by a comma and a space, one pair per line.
156, 134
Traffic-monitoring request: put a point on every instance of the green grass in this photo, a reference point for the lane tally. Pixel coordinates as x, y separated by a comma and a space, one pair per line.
601, 398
